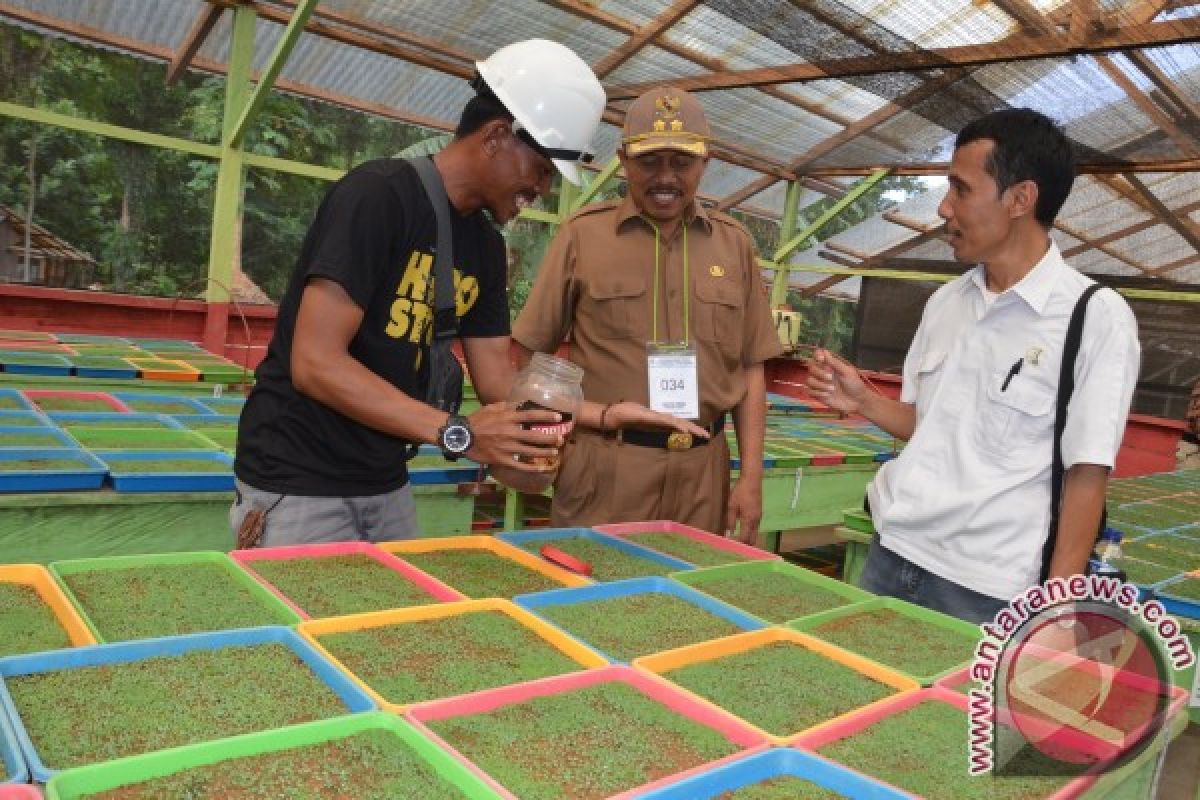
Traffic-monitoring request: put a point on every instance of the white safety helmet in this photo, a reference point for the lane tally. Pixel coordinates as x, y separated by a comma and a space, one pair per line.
554, 97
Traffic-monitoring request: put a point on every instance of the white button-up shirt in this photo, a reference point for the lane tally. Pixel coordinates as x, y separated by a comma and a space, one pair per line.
968, 498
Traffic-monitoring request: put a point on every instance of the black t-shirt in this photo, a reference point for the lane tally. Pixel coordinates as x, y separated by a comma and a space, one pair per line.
375, 235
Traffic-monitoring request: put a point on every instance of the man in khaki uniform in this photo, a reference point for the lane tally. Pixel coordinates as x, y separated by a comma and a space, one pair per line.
628, 284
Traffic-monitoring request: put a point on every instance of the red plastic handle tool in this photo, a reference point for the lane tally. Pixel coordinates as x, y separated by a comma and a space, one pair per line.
565, 560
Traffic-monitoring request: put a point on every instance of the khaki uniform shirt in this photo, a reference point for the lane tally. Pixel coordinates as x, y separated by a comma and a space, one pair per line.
595, 290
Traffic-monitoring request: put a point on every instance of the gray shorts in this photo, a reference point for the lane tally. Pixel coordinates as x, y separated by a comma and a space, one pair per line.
296, 519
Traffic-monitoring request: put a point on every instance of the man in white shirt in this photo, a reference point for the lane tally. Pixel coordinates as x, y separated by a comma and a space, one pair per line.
963, 513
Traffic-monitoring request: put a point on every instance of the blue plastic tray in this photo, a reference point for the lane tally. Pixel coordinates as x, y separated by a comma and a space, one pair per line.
775, 763
22, 401
616, 542
168, 345
48, 364
90, 474
206, 420
1179, 606
220, 479
10, 753
90, 338
81, 419
63, 439
224, 405
11, 418
196, 406
606, 591
341, 684
121, 373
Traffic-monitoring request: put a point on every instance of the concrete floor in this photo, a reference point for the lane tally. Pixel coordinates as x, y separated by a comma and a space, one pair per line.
1180, 777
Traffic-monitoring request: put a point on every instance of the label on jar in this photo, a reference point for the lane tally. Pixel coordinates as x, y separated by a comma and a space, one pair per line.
562, 428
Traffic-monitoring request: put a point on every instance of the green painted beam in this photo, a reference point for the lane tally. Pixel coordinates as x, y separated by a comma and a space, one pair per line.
598, 181
266, 82
292, 167
91, 126
787, 230
225, 238
566, 198
943, 277
539, 215
855, 192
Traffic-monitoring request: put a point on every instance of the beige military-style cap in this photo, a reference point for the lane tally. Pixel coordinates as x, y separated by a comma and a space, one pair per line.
666, 118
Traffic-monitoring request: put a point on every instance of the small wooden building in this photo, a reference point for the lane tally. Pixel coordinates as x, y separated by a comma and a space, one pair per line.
52, 261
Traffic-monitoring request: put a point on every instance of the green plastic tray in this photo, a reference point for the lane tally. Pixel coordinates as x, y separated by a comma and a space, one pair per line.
83, 781
141, 439
916, 613
271, 604
858, 520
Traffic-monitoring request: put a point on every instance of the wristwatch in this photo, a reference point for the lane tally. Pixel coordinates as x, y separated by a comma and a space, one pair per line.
455, 437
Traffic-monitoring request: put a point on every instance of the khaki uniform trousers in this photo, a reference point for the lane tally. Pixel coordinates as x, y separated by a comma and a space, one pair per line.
603, 480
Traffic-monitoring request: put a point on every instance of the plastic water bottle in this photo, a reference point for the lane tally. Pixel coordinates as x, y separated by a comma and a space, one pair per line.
1108, 551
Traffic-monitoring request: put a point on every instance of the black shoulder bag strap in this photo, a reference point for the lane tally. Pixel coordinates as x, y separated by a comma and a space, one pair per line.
445, 373
1066, 386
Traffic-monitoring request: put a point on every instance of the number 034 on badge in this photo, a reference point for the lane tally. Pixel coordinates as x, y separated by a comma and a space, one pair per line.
671, 374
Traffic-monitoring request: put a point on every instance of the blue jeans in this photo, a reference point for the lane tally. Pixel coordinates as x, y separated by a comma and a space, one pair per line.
891, 575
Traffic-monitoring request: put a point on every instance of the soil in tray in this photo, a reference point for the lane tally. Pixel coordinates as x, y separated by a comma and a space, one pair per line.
922, 750
903, 643
608, 563
89, 714
413, 661
782, 687
128, 424
155, 465
1112, 703
50, 403
786, 787
638, 624
584, 744
690, 550
10, 403
23, 421
480, 573
44, 465
371, 765
123, 439
38, 439
1188, 589
167, 600
1144, 572
27, 625
773, 596
1164, 551
161, 406
329, 586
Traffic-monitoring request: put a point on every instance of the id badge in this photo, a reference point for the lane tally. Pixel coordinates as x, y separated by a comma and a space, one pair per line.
672, 380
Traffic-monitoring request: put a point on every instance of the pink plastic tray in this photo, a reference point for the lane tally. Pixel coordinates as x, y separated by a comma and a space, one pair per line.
19, 791
104, 397
652, 686
628, 529
421, 580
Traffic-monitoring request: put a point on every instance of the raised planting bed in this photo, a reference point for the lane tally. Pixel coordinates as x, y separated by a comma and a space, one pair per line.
35, 363
54, 400
169, 470
610, 558
1164, 549
917, 742
141, 439
697, 547
48, 470
137, 597
23, 419
418, 654
627, 619
125, 420
329, 580
482, 566
161, 403
12, 400
371, 756
912, 640
92, 704
773, 591
99, 366
776, 774
744, 675
589, 735
164, 369
29, 436
35, 615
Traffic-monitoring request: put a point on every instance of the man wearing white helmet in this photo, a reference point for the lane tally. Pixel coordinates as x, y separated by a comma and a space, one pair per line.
323, 436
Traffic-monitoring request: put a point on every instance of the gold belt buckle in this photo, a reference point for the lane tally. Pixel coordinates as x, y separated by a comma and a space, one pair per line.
679, 440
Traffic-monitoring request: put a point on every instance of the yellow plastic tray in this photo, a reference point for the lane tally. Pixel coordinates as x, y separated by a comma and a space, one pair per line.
492, 545
669, 660
312, 629
41, 581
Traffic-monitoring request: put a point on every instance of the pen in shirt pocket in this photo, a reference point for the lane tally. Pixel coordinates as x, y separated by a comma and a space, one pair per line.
1012, 373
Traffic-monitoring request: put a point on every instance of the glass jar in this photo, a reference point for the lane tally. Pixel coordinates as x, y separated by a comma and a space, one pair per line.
552, 383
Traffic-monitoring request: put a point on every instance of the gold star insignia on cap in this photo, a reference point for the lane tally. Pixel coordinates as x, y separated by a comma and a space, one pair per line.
716, 271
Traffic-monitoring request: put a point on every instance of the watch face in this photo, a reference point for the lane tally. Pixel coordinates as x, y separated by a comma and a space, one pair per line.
456, 438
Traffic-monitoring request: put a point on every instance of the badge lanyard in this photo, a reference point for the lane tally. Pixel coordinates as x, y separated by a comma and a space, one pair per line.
671, 368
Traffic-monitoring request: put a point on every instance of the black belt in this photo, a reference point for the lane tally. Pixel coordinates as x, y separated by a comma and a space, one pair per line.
667, 440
